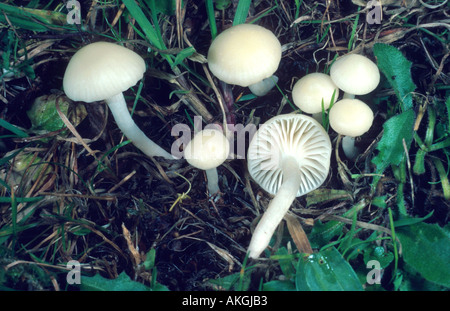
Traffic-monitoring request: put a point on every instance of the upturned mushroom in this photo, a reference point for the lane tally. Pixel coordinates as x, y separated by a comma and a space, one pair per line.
313, 89
207, 150
350, 118
355, 75
102, 71
288, 157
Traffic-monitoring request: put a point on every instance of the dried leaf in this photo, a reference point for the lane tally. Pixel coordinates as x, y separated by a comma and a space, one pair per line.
298, 234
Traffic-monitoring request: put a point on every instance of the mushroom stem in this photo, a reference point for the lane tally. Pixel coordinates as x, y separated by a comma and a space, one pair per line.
348, 96
263, 87
213, 181
228, 97
348, 145
277, 208
123, 119
318, 117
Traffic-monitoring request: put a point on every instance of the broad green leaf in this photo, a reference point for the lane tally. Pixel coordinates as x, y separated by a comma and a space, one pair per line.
121, 283
379, 254
280, 286
44, 115
426, 248
397, 70
390, 147
326, 271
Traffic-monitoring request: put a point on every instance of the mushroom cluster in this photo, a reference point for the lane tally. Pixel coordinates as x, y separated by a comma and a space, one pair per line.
350, 117
288, 156
315, 93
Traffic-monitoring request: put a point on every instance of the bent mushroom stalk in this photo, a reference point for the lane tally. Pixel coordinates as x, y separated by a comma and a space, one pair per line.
102, 71
289, 156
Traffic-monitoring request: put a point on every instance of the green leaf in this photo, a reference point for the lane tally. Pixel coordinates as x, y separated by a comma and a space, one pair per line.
241, 12
326, 271
121, 283
379, 254
12, 128
43, 114
426, 248
231, 282
397, 70
324, 195
279, 286
286, 264
185, 53
222, 4
391, 150
407, 221
166, 7
148, 29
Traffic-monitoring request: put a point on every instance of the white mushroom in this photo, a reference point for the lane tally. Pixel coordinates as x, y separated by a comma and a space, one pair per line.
350, 118
288, 156
355, 74
245, 55
207, 150
102, 71
313, 89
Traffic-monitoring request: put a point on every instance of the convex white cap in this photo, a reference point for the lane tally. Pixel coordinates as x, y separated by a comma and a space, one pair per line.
351, 117
244, 54
295, 136
355, 74
101, 70
310, 90
207, 150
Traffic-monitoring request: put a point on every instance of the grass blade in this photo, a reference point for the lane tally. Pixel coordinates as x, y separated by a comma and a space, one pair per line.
211, 18
13, 128
241, 12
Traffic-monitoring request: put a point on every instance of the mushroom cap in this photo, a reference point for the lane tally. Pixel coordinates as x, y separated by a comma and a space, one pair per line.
309, 91
291, 135
351, 117
244, 54
208, 149
101, 70
355, 74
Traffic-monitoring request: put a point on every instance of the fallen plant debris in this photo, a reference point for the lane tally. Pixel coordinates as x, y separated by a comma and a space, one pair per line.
81, 208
